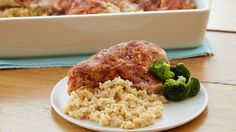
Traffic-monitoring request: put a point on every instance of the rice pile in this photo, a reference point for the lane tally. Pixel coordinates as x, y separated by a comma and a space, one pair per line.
116, 103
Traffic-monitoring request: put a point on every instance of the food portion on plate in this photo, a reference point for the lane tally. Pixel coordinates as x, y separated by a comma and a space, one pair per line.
178, 82
126, 85
116, 103
17, 8
130, 60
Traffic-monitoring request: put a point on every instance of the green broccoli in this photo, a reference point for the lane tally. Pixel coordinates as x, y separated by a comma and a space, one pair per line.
176, 90
194, 86
181, 70
162, 70
178, 82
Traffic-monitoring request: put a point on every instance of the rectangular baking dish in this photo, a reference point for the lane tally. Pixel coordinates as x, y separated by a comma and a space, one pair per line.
78, 34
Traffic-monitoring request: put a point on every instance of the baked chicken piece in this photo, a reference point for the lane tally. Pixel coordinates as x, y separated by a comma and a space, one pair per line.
20, 3
130, 60
68, 7
20, 8
22, 11
176, 4
154, 5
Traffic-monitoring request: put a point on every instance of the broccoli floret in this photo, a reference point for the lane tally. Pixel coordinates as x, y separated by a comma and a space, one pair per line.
162, 70
176, 90
194, 86
181, 70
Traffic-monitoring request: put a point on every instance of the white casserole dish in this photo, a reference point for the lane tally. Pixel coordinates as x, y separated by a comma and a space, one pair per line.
77, 34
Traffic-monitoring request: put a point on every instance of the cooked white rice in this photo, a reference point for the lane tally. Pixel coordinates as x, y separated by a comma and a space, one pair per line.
116, 103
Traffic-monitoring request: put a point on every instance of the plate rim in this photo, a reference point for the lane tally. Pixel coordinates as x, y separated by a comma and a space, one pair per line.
172, 125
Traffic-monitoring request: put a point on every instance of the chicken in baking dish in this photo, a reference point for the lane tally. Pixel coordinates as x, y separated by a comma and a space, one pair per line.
16, 8
60, 7
131, 60
21, 8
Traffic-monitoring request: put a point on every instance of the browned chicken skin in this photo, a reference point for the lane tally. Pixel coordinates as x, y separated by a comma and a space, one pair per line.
153, 5
68, 7
131, 60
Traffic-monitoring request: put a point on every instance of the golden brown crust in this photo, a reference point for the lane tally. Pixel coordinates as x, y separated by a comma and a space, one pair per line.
18, 3
73, 7
70, 7
8, 3
153, 5
21, 8
62, 7
131, 60
21, 11
176, 4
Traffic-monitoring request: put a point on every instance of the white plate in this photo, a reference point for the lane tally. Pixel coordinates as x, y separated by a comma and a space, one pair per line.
175, 113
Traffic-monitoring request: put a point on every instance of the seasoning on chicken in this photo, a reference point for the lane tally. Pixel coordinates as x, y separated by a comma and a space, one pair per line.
176, 4
154, 5
62, 7
131, 60
22, 8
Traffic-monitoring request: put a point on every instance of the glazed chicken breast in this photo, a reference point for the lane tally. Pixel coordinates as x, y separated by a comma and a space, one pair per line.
130, 60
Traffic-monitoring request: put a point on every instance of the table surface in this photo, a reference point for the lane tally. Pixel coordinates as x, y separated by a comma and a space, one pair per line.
24, 93
223, 15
